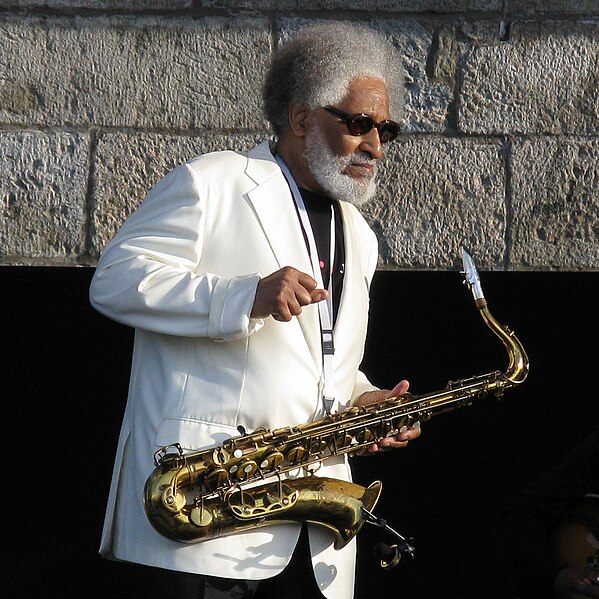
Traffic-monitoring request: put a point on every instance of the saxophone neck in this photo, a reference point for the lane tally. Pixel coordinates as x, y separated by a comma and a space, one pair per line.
517, 370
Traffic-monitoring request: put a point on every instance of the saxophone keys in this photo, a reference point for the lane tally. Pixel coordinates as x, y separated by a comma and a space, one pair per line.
245, 469
272, 461
310, 469
341, 440
366, 436
200, 516
216, 478
173, 500
296, 454
317, 446
220, 456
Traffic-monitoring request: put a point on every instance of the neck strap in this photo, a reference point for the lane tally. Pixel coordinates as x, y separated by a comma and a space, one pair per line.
325, 308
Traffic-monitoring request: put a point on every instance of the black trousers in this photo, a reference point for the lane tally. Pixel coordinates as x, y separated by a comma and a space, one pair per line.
295, 582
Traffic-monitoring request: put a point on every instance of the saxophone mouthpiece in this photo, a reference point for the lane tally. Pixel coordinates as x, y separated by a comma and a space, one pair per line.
471, 277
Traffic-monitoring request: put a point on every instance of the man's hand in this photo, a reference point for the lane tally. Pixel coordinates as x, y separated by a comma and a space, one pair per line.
401, 438
283, 293
571, 583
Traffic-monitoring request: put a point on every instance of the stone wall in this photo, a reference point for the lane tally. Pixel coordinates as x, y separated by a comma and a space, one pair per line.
499, 149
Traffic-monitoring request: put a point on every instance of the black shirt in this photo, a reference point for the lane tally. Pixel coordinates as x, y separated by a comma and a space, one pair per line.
318, 208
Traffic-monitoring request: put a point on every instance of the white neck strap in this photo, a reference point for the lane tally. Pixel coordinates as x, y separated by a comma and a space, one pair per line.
325, 308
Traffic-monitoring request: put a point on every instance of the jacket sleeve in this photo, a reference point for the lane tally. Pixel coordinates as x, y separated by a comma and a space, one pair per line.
361, 385
147, 276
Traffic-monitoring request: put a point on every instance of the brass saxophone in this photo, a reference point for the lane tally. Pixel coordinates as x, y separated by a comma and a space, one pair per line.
238, 485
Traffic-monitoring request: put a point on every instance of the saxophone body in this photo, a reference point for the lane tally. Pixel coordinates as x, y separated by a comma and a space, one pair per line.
251, 480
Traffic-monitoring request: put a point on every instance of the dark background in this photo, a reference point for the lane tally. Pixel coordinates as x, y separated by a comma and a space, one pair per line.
67, 370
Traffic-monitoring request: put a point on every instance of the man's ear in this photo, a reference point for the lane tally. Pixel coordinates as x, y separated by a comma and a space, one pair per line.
300, 118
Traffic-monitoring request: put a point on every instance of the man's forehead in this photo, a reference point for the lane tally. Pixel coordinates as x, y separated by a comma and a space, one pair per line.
368, 91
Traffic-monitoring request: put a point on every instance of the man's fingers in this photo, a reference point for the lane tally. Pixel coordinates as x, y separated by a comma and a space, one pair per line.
291, 305
274, 293
307, 283
318, 295
396, 439
399, 389
283, 293
305, 280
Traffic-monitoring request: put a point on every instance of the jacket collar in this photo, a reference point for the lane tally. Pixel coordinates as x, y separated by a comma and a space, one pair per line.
261, 164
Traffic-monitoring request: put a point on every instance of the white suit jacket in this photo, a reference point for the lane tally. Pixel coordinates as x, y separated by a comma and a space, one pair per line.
183, 271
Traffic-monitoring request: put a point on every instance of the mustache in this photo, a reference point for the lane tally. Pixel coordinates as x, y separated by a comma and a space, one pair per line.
361, 158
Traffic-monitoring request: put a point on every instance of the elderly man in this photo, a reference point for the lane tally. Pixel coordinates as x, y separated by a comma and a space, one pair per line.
236, 271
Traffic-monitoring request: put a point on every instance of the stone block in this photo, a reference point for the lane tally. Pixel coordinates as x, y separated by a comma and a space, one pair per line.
133, 72
539, 7
125, 5
43, 183
555, 204
435, 195
543, 78
127, 166
370, 6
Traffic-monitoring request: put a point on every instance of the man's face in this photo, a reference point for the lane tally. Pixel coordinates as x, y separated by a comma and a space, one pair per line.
344, 165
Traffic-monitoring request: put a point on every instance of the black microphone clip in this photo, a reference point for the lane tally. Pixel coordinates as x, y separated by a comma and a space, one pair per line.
390, 555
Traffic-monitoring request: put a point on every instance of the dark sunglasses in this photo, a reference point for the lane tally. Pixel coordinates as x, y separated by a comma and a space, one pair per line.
361, 124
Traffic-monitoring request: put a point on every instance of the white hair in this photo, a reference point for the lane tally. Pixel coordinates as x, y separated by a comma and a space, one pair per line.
318, 64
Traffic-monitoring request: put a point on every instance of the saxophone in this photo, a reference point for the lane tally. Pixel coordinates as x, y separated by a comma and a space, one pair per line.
238, 486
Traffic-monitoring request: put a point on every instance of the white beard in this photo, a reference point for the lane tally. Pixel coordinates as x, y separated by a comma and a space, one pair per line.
328, 170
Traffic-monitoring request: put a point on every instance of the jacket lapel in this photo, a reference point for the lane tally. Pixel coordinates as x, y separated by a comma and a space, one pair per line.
355, 285
274, 207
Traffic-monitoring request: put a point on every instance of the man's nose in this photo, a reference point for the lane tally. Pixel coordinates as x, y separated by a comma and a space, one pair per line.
371, 144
